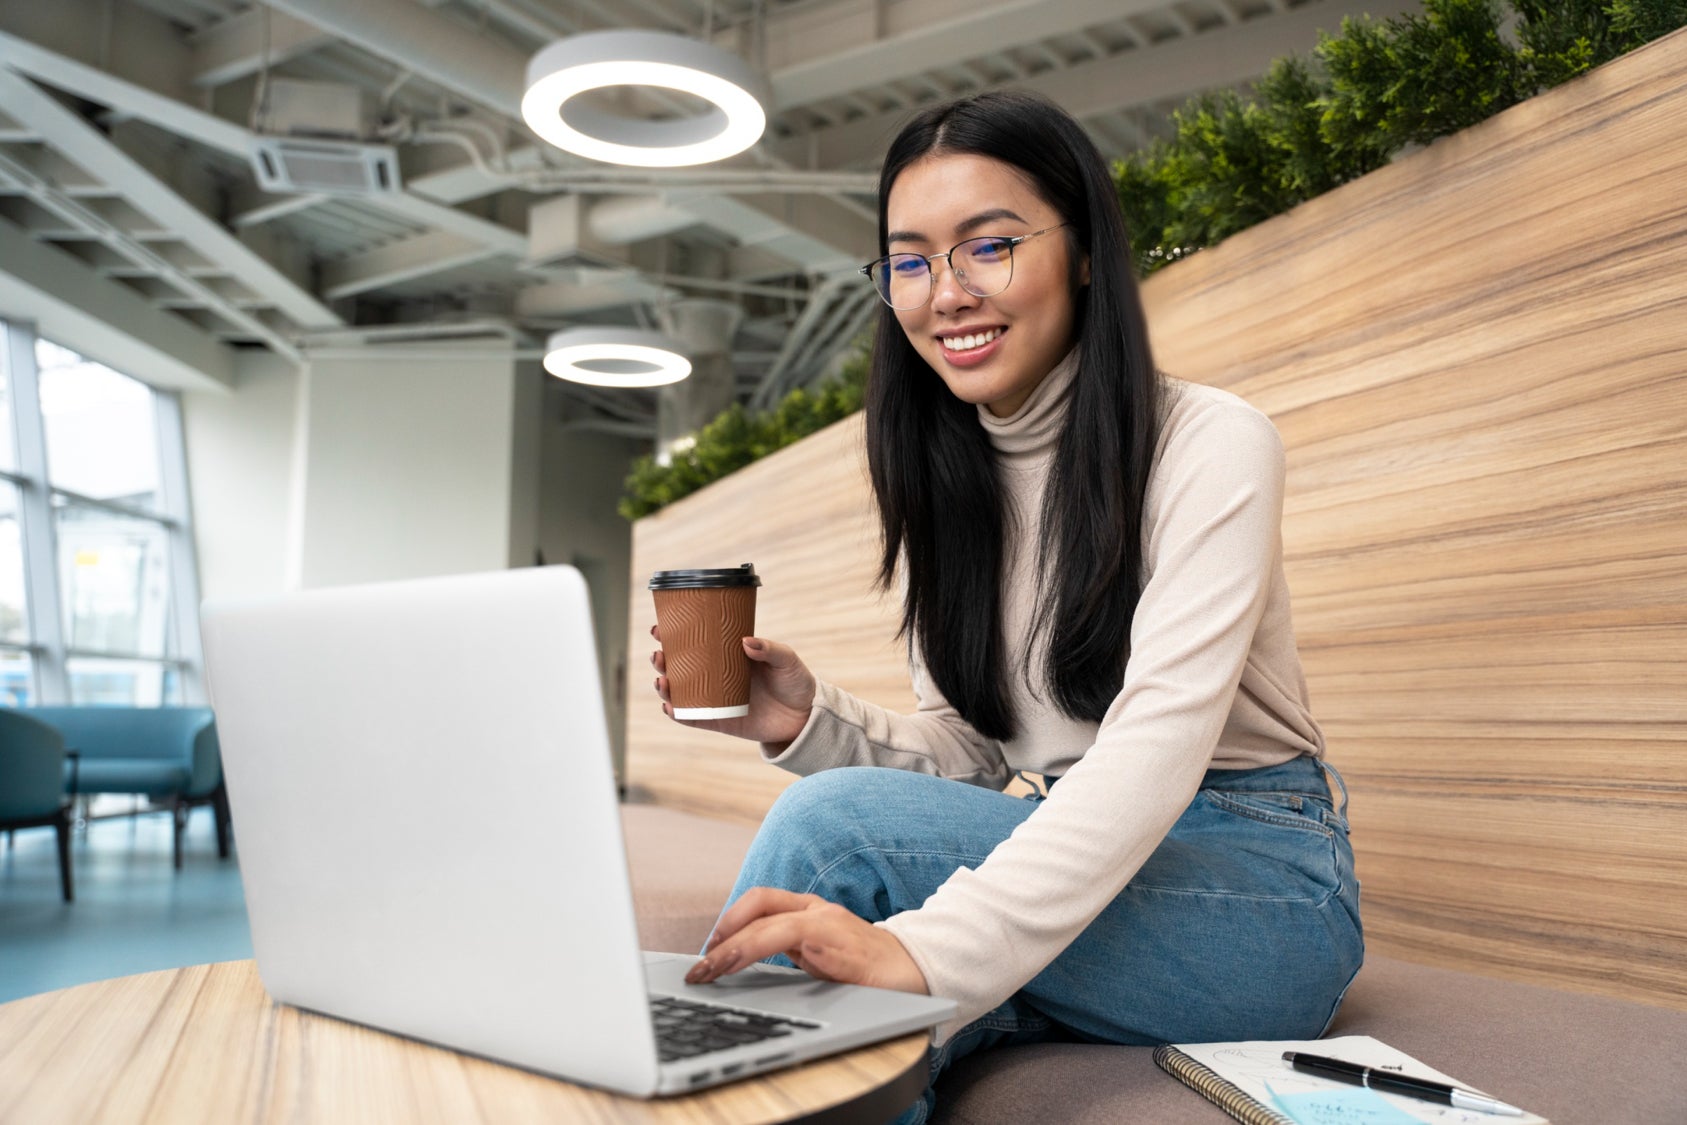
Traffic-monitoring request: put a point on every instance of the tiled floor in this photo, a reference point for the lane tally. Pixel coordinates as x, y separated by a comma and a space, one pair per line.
133, 911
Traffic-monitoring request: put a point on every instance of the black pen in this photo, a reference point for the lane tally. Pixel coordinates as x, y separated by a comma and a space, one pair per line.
1378, 1079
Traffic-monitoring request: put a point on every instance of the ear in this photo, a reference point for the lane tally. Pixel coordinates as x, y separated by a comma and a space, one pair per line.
1084, 271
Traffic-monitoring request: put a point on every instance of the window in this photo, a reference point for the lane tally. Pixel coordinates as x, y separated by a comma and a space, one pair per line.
102, 438
17, 676
97, 591
8, 460
14, 605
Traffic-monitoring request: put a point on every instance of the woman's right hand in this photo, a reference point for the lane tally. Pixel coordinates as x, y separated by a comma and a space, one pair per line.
781, 693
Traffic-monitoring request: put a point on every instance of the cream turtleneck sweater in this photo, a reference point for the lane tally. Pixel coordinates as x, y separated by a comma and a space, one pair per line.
1213, 680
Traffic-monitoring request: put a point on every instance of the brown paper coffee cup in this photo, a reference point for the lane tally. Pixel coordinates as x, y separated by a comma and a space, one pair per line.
704, 616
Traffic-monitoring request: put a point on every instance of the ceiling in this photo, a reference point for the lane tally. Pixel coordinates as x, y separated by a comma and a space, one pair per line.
126, 184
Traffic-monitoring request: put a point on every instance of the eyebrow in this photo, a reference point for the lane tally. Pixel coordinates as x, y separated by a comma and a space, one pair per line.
966, 226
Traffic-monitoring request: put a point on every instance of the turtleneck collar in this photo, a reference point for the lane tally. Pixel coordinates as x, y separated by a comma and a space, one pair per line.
1026, 438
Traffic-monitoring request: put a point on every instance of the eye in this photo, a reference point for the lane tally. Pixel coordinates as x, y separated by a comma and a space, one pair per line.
989, 249
906, 264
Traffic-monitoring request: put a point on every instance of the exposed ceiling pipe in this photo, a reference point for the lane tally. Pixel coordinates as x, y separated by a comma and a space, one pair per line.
864, 311
438, 50
642, 431
634, 218
832, 333
824, 295
429, 330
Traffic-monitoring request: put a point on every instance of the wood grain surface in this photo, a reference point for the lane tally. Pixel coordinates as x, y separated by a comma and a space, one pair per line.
207, 1044
1477, 358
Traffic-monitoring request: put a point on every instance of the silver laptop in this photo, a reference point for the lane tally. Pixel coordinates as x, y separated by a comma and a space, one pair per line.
431, 844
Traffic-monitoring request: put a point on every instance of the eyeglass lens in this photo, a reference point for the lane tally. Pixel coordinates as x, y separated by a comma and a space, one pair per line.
982, 266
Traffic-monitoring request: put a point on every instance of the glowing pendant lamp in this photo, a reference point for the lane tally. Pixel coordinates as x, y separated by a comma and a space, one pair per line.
615, 357
600, 60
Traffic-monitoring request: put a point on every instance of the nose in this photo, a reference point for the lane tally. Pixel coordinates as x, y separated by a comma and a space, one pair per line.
947, 295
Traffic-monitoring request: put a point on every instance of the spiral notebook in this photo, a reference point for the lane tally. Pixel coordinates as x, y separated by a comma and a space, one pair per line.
1252, 1083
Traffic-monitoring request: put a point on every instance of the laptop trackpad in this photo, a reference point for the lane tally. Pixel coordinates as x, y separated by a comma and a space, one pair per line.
759, 975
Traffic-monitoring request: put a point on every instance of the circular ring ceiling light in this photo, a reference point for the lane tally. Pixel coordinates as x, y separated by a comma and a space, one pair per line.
599, 60
615, 357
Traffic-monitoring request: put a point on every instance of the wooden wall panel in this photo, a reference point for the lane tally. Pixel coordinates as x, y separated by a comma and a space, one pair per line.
1477, 358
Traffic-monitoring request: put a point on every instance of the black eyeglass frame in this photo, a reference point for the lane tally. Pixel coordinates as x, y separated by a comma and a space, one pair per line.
960, 275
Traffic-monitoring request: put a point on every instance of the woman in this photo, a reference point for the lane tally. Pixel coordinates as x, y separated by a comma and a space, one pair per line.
1091, 561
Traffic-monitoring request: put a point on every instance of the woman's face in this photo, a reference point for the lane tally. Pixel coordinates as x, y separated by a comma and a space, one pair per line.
1025, 329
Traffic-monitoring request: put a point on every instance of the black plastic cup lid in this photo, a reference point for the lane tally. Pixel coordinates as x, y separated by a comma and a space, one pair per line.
705, 579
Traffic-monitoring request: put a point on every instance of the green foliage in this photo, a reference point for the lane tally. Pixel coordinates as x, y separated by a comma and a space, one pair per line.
1635, 22
1145, 184
1309, 163
1225, 173
737, 437
1559, 39
1417, 77
1368, 92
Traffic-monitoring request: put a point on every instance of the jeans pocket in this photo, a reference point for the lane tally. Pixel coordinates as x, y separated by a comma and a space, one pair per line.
1287, 810
1283, 835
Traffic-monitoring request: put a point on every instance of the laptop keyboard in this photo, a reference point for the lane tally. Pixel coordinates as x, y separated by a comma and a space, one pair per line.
686, 1028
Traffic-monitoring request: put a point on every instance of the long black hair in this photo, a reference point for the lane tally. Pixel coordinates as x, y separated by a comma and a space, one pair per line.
940, 505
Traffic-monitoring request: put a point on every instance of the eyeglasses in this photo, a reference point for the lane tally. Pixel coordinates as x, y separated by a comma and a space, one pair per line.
982, 266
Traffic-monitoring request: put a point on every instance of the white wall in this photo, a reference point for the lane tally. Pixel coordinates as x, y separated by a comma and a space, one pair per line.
408, 457
526, 454
583, 474
239, 467
391, 464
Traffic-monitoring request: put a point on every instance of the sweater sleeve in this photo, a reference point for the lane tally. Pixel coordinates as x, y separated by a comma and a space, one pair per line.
1212, 539
845, 731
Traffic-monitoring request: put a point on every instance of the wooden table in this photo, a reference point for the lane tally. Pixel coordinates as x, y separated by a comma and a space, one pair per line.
207, 1044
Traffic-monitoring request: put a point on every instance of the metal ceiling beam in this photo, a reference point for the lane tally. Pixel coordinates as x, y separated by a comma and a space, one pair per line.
268, 212
218, 294
496, 237
131, 43
184, 120
86, 146
234, 48
1180, 69
825, 50
152, 96
104, 319
428, 44
406, 260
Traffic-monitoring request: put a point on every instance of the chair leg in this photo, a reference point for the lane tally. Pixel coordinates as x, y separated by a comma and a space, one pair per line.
219, 809
179, 815
62, 827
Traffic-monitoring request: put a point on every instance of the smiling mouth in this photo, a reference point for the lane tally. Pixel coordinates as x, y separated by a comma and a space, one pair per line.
968, 342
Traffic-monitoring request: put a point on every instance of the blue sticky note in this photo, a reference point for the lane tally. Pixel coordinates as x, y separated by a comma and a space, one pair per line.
1355, 1106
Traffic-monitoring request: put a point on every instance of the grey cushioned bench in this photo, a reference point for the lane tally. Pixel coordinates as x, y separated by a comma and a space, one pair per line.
1571, 1057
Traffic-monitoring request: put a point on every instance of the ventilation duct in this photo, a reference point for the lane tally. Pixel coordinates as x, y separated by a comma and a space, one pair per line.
319, 167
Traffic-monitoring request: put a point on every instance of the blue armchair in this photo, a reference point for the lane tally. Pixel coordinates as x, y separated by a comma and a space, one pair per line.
167, 753
32, 760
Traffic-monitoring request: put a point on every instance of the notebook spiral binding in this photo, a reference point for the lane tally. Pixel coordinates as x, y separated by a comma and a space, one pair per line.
1221, 1092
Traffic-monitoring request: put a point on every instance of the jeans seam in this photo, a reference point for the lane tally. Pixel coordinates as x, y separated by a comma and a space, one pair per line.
1231, 805
823, 871
1314, 903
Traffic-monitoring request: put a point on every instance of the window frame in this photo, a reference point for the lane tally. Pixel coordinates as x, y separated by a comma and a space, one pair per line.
44, 599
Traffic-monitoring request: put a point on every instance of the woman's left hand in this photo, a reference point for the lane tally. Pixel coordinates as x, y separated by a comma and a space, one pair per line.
821, 938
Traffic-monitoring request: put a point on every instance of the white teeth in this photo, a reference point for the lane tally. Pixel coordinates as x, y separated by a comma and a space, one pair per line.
966, 343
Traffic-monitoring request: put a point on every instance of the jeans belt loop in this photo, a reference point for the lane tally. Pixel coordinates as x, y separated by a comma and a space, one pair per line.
1340, 784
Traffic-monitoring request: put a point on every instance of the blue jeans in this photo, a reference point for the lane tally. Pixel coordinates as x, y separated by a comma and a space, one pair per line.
1243, 924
